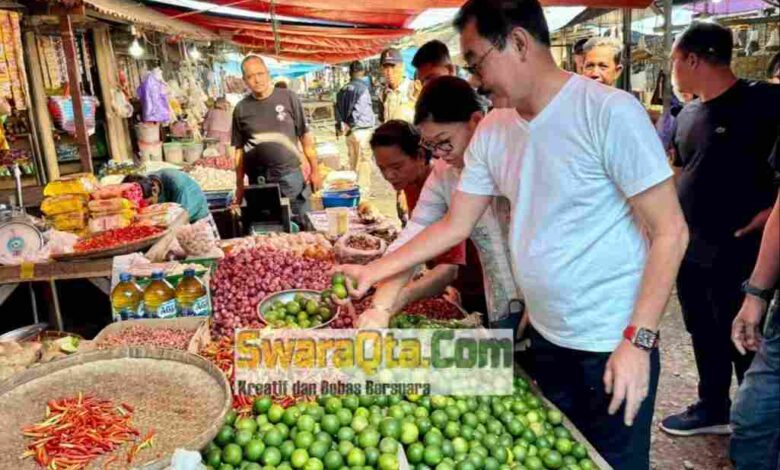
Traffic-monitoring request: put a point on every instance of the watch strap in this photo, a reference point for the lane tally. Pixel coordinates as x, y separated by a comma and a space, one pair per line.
639, 337
763, 294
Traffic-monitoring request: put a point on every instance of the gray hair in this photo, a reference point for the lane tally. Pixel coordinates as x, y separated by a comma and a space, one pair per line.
251, 57
613, 43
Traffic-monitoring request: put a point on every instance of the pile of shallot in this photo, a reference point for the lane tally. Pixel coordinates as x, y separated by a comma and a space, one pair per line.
308, 245
245, 277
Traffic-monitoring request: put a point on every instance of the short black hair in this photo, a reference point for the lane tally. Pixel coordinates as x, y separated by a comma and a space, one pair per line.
251, 57
774, 66
579, 46
495, 19
145, 182
400, 134
432, 52
711, 42
356, 67
446, 99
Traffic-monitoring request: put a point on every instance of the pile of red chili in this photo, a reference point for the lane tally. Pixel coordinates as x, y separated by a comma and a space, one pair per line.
116, 237
80, 429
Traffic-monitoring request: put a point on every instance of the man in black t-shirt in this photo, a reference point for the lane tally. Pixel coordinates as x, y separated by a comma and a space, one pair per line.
726, 190
267, 126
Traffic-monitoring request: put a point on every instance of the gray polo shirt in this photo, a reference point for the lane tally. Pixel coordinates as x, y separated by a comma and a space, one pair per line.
268, 131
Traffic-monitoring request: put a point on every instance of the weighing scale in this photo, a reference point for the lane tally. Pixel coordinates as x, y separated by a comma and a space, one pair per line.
18, 234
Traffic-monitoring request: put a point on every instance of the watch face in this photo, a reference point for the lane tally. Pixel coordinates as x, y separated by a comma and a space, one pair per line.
645, 338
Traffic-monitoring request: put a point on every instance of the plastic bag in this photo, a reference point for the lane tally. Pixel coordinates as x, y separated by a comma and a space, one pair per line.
110, 222
81, 183
122, 106
110, 205
159, 214
70, 221
153, 93
130, 191
197, 239
62, 204
359, 248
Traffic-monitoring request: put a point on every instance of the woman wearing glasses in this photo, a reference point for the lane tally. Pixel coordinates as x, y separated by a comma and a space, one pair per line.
448, 111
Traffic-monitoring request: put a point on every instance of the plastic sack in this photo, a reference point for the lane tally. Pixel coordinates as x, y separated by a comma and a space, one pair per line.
130, 191
360, 248
110, 222
122, 106
159, 214
153, 94
111, 205
81, 183
197, 239
70, 221
61, 204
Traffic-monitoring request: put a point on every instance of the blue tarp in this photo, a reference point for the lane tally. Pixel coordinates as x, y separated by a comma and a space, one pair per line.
294, 70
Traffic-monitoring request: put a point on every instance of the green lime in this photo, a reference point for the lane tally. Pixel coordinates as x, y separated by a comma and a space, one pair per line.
356, 457
564, 446
359, 423
313, 464
460, 446
492, 464
338, 279
553, 459
533, 463
230, 417
332, 405
388, 445
369, 437
344, 447
447, 449
232, 454
372, 456
275, 413
214, 457
351, 402
248, 424
587, 464
243, 437
433, 438
579, 451
325, 295
414, 453
324, 437
465, 464
290, 416
226, 466
318, 449
439, 419
555, 417
423, 425
345, 434
390, 427
388, 462
345, 416
340, 291
286, 449
303, 440
432, 455
253, 466
283, 429
306, 423
500, 454
299, 457
253, 450
292, 307
452, 429
325, 313
333, 460
312, 306
225, 436
262, 405
330, 424
409, 433
273, 438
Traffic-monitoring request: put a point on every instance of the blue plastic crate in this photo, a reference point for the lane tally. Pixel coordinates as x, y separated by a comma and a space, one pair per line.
340, 200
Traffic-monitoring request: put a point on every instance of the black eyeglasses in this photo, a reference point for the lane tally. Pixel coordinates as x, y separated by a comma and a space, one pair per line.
439, 148
474, 68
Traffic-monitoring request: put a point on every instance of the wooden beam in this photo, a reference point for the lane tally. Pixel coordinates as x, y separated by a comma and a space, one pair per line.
74, 84
118, 134
40, 110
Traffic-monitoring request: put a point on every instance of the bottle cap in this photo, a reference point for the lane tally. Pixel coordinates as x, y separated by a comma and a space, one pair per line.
125, 277
157, 275
189, 272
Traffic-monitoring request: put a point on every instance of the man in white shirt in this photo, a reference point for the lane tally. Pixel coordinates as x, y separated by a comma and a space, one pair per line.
574, 158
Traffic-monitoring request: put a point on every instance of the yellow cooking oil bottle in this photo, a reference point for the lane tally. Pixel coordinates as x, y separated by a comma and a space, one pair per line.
159, 298
191, 295
126, 299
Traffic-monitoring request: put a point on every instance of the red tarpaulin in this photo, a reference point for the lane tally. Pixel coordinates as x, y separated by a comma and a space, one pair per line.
373, 24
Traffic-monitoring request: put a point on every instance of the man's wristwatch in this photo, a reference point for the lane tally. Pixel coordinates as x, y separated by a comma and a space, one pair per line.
763, 294
641, 337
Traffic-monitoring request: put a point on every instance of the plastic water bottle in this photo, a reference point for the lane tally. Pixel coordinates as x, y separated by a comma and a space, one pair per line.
191, 295
159, 299
126, 299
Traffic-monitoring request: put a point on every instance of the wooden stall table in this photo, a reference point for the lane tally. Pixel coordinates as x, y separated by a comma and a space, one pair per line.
97, 271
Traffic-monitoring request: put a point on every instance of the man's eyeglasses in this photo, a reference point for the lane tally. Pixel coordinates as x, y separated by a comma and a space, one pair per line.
474, 69
437, 149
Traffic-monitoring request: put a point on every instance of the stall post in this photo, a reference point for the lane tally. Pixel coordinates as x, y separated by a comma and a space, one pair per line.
667, 90
118, 134
74, 84
627, 49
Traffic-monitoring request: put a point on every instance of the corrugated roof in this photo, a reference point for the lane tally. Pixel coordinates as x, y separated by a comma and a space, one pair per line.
148, 18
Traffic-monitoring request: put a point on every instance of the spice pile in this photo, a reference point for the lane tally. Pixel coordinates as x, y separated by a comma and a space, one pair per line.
115, 238
243, 279
80, 429
137, 335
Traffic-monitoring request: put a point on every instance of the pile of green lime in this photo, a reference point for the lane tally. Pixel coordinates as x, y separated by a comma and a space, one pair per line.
366, 432
304, 311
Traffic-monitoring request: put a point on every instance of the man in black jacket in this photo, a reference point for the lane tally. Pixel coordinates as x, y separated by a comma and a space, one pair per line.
355, 118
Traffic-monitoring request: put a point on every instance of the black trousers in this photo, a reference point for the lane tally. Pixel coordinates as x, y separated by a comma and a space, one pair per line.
574, 381
710, 296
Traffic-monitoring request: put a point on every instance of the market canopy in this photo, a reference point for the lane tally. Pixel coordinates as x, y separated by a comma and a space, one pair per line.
324, 31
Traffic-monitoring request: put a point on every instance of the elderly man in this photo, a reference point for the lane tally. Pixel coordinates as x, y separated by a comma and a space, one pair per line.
268, 124
397, 97
602, 60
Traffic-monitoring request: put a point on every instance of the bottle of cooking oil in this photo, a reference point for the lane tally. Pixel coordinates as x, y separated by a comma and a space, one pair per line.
126, 299
159, 301
191, 295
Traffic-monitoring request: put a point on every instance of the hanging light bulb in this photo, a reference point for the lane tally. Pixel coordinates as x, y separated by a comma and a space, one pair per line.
194, 53
135, 49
